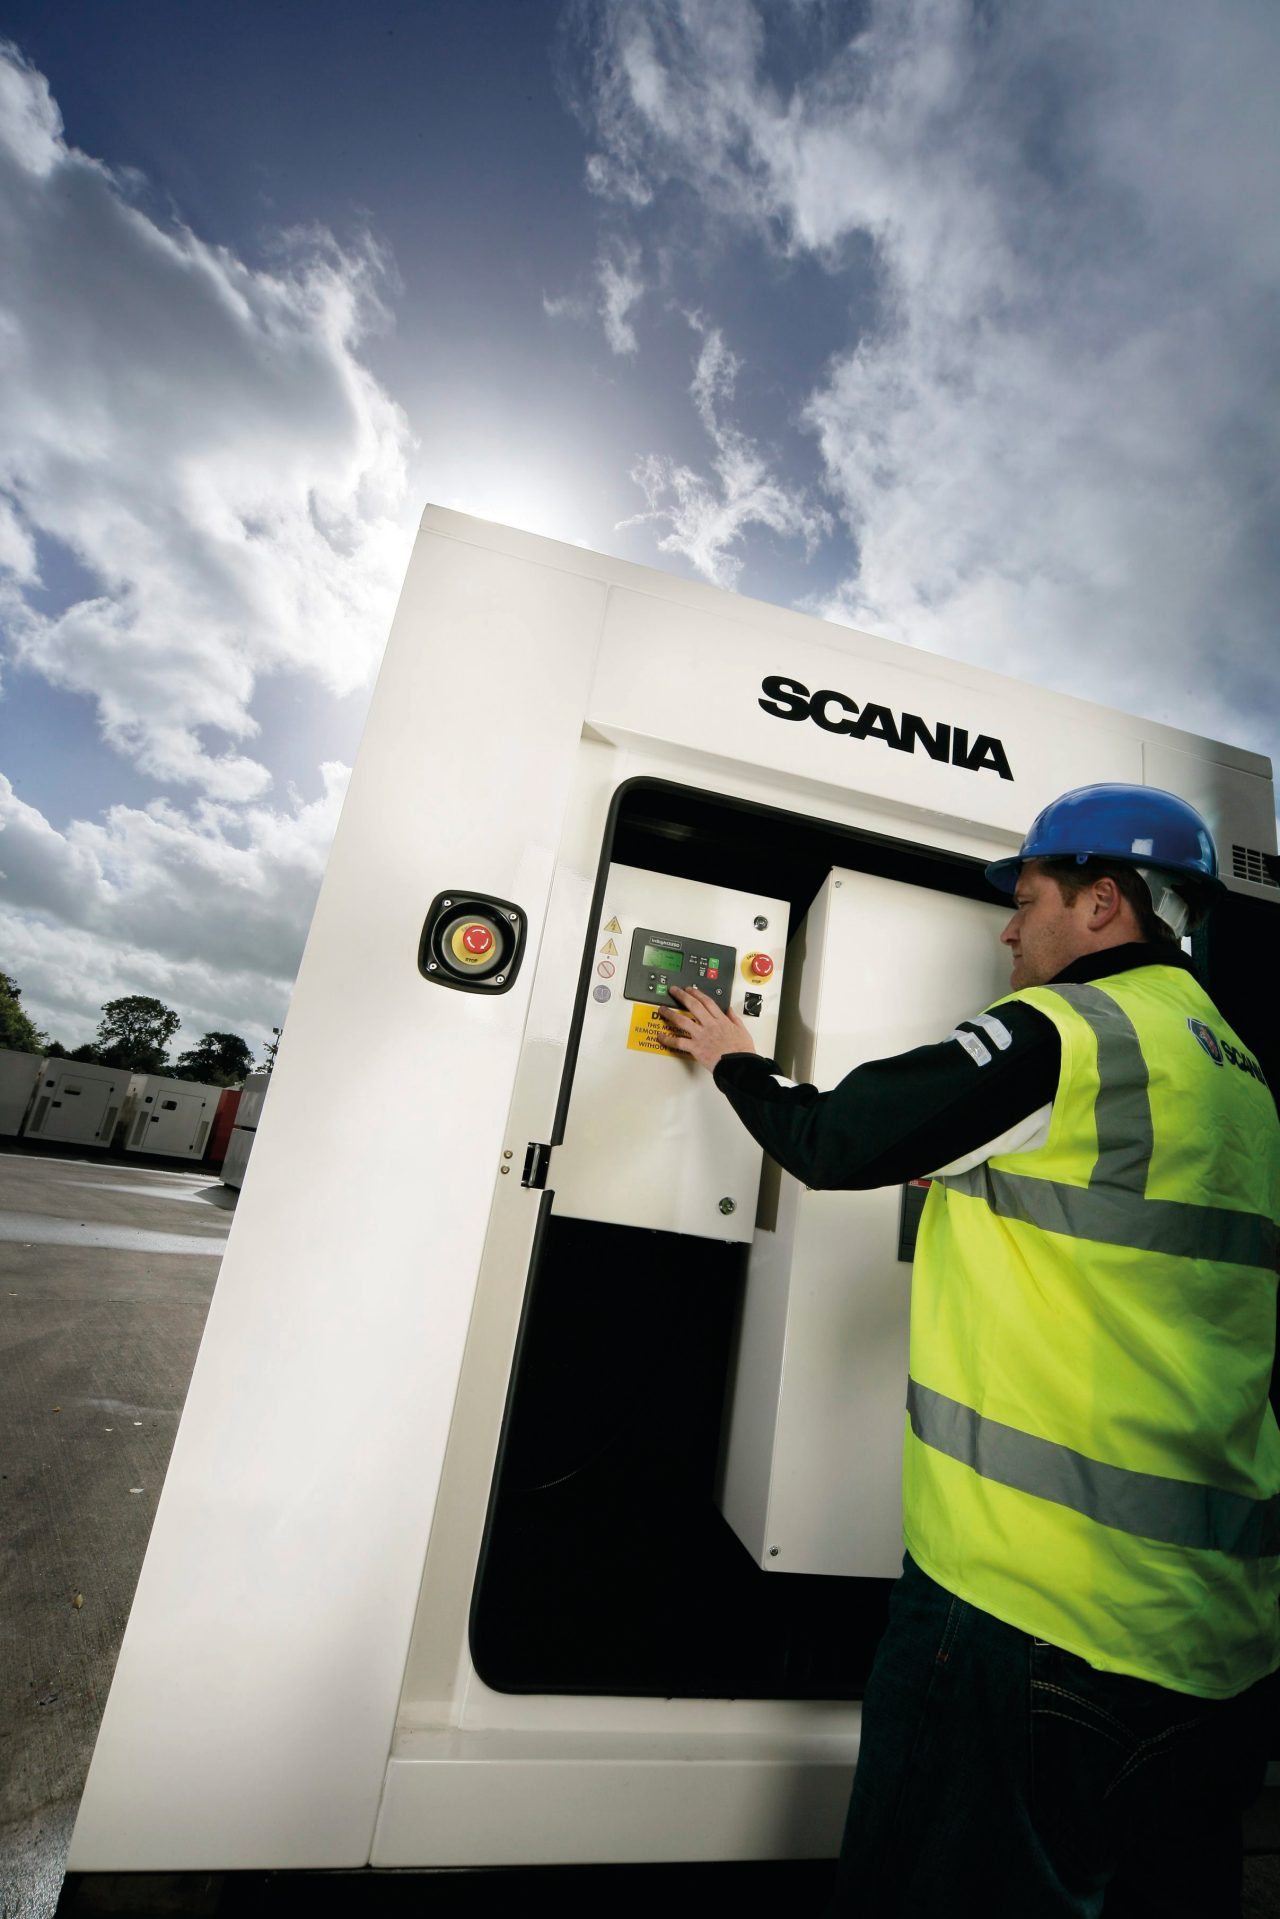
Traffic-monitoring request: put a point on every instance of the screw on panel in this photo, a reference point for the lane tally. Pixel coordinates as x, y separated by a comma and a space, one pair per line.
504, 1169
512, 918
760, 922
728, 1205
500, 979
431, 966
507, 1154
446, 902
773, 1552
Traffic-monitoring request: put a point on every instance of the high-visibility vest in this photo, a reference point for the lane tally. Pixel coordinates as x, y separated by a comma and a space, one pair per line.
1090, 1451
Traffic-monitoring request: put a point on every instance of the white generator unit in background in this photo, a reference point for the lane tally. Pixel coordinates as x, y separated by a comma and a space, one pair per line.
77, 1103
511, 1385
248, 1113
18, 1075
170, 1116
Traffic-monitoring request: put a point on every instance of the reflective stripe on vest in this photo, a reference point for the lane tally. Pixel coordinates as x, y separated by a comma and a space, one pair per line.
1114, 1219
1174, 1510
1112, 1208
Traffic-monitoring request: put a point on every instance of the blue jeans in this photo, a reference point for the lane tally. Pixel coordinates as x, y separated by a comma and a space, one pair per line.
1002, 1778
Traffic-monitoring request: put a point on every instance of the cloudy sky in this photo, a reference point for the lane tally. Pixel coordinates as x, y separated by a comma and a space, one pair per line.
957, 322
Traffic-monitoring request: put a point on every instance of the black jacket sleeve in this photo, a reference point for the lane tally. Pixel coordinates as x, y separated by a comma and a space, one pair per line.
897, 1119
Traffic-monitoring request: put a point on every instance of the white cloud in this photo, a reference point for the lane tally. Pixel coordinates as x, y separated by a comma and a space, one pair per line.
202, 436
621, 288
566, 306
708, 521
1055, 441
206, 910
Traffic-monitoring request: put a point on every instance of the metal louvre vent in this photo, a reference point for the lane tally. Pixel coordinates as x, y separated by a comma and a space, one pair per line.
109, 1123
1247, 863
202, 1136
37, 1118
140, 1127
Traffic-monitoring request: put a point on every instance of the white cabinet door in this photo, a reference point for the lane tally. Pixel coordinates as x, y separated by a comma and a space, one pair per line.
813, 1463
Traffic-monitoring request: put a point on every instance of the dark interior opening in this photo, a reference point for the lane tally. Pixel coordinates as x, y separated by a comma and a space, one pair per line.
607, 1566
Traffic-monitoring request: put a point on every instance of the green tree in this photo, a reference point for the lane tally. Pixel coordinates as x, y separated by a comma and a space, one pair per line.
134, 1032
221, 1059
17, 1032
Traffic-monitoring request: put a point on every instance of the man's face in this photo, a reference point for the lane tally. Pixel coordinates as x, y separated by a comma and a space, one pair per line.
1045, 934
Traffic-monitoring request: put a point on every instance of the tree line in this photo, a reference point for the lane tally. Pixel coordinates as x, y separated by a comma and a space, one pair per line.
134, 1034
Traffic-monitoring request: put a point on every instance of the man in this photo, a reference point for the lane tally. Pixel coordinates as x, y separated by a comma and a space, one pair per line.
1072, 1700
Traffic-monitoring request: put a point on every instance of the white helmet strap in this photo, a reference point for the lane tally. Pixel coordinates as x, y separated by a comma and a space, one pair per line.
1168, 904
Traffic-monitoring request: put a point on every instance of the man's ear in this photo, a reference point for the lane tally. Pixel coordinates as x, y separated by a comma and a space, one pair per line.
1107, 902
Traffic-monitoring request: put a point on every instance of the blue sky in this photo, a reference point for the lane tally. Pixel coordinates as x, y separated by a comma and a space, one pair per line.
953, 322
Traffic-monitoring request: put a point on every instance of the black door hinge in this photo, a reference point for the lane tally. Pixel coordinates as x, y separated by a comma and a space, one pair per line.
537, 1158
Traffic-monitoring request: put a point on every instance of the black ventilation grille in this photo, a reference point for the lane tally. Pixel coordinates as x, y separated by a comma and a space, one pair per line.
1247, 863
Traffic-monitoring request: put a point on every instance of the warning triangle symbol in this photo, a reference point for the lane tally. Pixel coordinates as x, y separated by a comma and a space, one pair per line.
613, 926
609, 948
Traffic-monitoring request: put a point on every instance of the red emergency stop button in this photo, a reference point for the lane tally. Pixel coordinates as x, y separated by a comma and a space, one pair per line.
761, 966
474, 945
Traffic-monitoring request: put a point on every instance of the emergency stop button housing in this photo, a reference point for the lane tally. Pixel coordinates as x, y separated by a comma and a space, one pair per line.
472, 941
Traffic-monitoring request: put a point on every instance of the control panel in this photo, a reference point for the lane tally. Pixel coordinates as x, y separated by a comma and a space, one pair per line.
649, 1139
660, 961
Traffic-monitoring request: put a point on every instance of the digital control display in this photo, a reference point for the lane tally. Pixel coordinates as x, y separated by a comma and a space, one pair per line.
660, 960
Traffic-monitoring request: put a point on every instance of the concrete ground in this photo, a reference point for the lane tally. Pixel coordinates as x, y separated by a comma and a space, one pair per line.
106, 1272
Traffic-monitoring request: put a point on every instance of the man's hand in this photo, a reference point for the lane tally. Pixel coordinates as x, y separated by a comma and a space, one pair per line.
702, 1030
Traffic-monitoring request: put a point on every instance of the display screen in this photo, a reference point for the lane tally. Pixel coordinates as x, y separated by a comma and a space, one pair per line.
663, 956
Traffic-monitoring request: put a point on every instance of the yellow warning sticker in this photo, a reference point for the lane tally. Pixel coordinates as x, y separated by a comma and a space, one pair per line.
613, 926
609, 950
647, 1030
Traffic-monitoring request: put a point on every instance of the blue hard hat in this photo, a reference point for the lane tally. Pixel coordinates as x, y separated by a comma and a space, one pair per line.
1140, 825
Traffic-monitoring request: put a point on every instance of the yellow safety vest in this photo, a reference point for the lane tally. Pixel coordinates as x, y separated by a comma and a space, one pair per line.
1090, 1451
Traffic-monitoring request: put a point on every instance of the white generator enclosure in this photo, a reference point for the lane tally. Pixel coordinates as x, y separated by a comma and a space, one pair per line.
252, 1098
248, 1113
77, 1103
18, 1075
536, 1493
170, 1116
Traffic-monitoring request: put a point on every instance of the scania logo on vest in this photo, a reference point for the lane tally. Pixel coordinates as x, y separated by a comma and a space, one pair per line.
1208, 1039
1220, 1052
837, 713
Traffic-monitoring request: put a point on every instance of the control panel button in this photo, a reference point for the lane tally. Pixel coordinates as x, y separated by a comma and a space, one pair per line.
477, 940
761, 966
